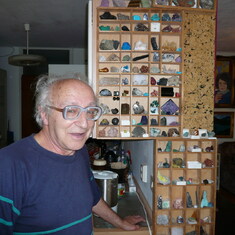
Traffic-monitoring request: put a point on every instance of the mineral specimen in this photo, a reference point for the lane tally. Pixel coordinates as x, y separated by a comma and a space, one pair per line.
138, 131
137, 108
126, 46
154, 43
108, 15
105, 92
141, 27
115, 121
166, 17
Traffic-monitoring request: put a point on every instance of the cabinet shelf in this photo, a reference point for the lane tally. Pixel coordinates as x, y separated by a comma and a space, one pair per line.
139, 73
185, 200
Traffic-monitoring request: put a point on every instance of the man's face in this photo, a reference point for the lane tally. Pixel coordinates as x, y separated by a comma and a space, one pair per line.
67, 136
222, 85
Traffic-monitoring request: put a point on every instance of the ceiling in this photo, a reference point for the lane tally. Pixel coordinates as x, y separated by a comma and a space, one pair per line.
63, 23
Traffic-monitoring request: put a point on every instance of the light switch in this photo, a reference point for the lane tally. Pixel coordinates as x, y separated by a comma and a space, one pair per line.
143, 173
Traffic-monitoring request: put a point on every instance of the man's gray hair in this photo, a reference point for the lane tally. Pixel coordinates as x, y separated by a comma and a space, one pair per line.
42, 95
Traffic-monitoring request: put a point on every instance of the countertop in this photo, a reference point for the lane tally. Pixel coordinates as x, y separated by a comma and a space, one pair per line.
128, 204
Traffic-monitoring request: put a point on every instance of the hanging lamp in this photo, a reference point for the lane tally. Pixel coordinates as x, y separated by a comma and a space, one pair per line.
26, 59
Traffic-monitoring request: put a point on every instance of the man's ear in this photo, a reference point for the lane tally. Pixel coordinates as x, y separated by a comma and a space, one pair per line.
44, 116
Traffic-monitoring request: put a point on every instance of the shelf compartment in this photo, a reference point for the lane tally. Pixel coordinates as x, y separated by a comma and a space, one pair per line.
163, 218
109, 104
178, 177
169, 106
139, 105
193, 177
140, 57
139, 79
139, 131
163, 177
171, 27
109, 27
160, 230
178, 161
208, 229
108, 131
192, 228
192, 196
125, 38
170, 43
206, 216
125, 56
207, 192
105, 68
125, 80
169, 92
178, 197
178, 147
125, 92
192, 217
170, 121
171, 69
139, 27
140, 91
207, 146
163, 198
109, 119
139, 120
125, 131
140, 69
171, 58
109, 57
208, 160
153, 92
109, 92
208, 176
140, 42
163, 158
164, 146
177, 218
108, 80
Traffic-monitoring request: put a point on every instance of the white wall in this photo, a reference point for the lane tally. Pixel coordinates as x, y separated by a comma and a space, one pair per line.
14, 73
142, 153
78, 56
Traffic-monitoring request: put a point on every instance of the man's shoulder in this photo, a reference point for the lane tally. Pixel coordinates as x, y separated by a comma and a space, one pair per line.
17, 149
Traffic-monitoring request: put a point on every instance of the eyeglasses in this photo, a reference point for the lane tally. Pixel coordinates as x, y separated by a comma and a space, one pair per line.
72, 112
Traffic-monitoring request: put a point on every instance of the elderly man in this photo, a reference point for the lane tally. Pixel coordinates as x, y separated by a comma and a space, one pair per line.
46, 185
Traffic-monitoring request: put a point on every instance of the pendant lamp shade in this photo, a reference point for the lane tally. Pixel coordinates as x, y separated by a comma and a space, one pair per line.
26, 59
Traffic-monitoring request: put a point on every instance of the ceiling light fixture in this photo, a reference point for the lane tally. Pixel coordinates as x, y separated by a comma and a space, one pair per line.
26, 59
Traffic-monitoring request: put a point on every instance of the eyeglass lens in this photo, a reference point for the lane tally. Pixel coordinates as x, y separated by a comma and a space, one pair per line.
72, 112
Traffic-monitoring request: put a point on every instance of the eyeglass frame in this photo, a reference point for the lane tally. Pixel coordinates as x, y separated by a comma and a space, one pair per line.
64, 111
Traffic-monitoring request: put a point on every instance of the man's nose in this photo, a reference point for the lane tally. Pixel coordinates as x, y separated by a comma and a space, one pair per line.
82, 120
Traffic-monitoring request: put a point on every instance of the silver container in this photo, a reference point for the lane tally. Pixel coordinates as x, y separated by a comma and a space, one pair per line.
108, 184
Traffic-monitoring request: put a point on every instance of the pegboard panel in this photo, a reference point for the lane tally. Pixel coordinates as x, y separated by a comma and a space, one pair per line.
199, 63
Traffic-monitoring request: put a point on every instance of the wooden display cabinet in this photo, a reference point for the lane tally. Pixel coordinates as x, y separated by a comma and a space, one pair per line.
152, 83
184, 186
169, 74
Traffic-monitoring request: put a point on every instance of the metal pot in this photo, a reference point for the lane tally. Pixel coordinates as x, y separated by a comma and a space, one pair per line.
108, 184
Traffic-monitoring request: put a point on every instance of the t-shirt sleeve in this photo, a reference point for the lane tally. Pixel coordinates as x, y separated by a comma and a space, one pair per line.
94, 186
11, 194
95, 189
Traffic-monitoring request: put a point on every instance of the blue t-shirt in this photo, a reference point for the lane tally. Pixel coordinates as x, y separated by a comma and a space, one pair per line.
42, 192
